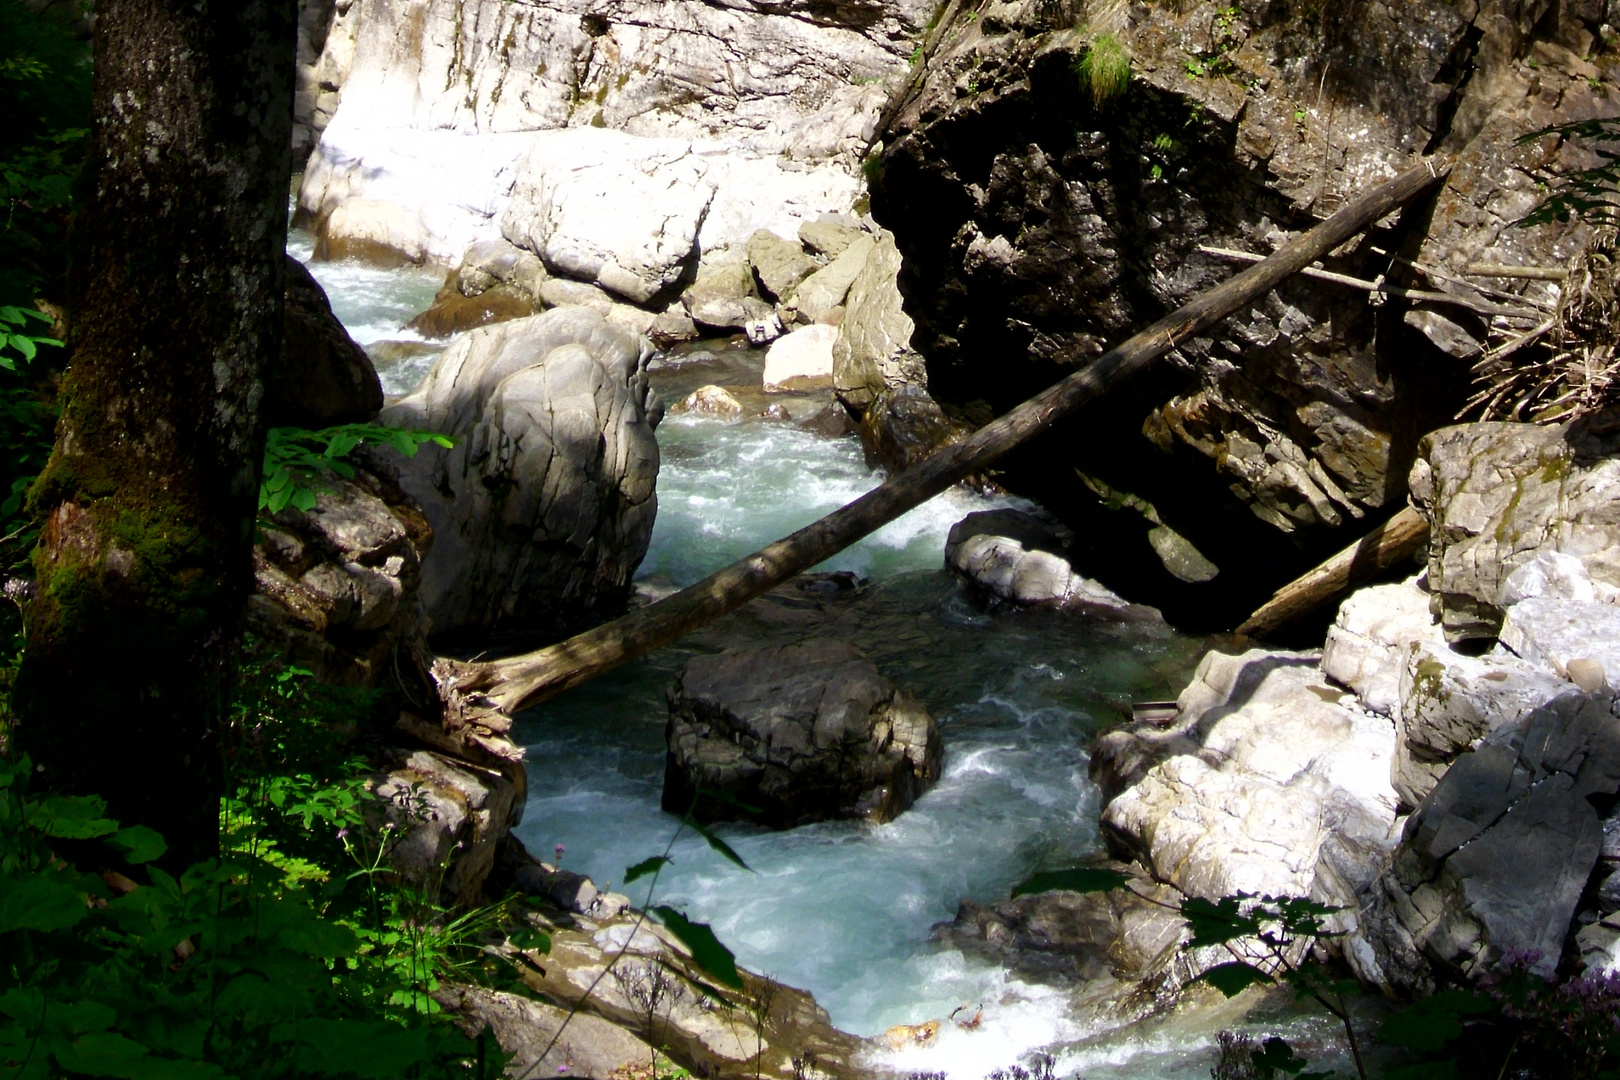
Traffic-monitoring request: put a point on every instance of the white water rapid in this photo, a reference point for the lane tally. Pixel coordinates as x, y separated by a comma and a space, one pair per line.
845, 910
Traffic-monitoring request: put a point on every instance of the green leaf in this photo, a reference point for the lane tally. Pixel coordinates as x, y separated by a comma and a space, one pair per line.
714, 958
1276, 1056
303, 499
41, 902
370, 1050
71, 817
140, 844
102, 1053
719, 845
1234, 977
1080, 879
1217, 922
645, 867
530, 940
24, 345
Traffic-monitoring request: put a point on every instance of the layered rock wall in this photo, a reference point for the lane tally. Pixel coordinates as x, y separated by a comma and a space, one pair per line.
1041, 223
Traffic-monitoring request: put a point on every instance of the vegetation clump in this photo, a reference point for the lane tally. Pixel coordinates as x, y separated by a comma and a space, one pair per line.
1105, 69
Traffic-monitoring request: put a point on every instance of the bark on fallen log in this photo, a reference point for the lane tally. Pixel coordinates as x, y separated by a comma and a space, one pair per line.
1396, 539
472, 691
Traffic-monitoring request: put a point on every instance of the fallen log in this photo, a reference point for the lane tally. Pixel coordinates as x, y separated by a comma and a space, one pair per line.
485, 693
1396, 539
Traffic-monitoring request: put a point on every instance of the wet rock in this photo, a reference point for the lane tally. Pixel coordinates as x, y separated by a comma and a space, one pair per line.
1264, 762
1504, 502
1494, 862
323, 377
873, 352
1014, 558
489, 263
545, 506
710, 401
801, 360
372, 231
832, 421
1448, 702
610, 209
902, 426
335, 587
450, 816
1369, 641
452, 312
804, 732
779, 265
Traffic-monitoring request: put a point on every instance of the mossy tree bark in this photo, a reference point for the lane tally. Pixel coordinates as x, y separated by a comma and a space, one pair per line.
147, 506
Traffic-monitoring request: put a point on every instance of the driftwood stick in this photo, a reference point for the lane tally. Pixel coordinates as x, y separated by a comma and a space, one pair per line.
1483, 307
1396, 539
1531, 273
472, 689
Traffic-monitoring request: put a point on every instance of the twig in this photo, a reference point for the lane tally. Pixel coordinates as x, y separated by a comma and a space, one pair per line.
1377, 287
1529, 273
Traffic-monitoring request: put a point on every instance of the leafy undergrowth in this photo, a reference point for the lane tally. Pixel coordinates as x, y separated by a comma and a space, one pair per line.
296, 953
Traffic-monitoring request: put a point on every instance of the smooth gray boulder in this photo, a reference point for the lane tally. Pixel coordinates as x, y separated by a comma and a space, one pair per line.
543, 509
322, 377
1493, 864
873, 351
805, 733
1013, 558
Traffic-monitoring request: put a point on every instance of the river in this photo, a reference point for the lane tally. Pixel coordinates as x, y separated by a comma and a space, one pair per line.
844, 910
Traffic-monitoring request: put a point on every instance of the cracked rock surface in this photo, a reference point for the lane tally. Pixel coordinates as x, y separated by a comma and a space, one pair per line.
806, 732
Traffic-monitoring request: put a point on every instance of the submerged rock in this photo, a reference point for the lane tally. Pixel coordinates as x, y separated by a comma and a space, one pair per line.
710, 400
1014, 558
805, 733
545, 506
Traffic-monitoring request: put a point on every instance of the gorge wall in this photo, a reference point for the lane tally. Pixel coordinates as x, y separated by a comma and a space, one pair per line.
1042, 221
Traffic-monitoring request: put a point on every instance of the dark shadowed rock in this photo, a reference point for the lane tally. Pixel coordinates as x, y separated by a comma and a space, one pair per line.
803, 732
324, 378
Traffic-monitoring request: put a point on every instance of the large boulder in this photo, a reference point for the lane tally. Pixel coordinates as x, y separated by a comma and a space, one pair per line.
1500, 499
374, 231
780, 265
449, 816
335, 587
544, 507
323, 377
801, 360
803, 732
1369, 641
1265, 768
1493, 864
611, 209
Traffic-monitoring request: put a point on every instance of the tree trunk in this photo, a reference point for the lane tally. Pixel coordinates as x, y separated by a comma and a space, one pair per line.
147, 505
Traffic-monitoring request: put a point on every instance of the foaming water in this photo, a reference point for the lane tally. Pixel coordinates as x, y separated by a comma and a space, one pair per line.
374, 305
841, 909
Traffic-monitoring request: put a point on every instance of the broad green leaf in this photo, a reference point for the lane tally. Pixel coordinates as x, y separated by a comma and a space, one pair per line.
1234, 977
370, 1050
140, 844
530, 940
71, 817
102, 1053
719, 845
43, 902
645, 867
1217, 922
1276, 1056
714, 958
303, 499
24, 345
1081, 880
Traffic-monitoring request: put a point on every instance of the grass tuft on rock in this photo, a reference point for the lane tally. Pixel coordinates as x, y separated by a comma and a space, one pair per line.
1105, 68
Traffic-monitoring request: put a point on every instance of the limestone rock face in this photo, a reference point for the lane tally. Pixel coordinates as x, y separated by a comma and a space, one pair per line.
820, 297
1368, 643
1028, 254
1264, 763
1502, 500
780, 265
1495, 860
1013, 558
806, 732
375, 231
324, 377
335, 587
1449, 701
873, 351
545, 506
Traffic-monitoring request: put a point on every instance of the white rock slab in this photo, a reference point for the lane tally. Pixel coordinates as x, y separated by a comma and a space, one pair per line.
1555, 632
804, 357
1367, 645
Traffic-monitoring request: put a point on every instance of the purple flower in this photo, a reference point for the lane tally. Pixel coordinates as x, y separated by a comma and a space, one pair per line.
560, 849
343, 833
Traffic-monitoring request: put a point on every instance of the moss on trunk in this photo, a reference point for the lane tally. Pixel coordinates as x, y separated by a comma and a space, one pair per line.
147, 505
